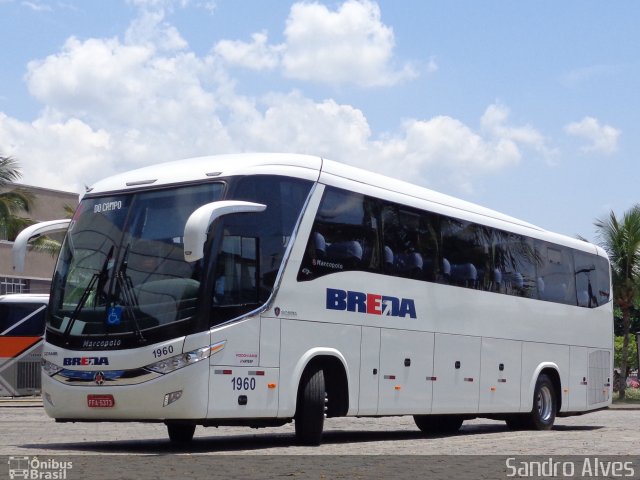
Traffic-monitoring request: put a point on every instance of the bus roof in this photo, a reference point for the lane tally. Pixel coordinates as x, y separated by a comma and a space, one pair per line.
42, 298
317, 169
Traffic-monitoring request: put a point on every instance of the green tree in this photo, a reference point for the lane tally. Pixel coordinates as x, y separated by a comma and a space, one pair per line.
632, 357
13, 201
621, 239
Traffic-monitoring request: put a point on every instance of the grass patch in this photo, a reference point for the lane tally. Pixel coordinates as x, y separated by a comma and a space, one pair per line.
632, 395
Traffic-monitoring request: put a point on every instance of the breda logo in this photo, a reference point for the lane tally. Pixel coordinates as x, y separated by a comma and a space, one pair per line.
85, 361
370, 303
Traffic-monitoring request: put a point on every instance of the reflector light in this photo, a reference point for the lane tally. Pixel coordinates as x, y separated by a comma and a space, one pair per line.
271, 385
171, 397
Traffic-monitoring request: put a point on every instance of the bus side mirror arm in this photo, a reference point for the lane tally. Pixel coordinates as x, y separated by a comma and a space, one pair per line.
195, 230
19, 249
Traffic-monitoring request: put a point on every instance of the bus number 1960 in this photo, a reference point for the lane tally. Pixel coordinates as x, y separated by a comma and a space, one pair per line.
245, 383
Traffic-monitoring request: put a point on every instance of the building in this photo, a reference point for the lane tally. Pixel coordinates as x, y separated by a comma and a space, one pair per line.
47, 204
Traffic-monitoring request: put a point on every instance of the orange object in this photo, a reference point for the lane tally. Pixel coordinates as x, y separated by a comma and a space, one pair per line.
13, 346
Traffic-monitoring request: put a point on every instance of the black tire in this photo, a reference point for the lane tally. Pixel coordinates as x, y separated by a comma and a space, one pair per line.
438, 423
517, 421
180, 432
545, 404
310, 409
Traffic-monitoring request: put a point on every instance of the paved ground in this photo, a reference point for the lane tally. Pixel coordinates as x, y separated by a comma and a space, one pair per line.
26, 431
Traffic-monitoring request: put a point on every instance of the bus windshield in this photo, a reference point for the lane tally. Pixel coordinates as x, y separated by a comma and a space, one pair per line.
122, 270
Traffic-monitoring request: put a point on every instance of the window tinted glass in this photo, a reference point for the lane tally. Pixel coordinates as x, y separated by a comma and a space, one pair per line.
22, 319
603, 281
556, 280
410, 243
515, 265
344, 236
466, 247
592, 280
253, 244
426, 246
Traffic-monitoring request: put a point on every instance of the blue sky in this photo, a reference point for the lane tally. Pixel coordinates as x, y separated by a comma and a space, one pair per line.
530, 108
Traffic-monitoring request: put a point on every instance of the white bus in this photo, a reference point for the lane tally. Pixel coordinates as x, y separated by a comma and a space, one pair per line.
263, 289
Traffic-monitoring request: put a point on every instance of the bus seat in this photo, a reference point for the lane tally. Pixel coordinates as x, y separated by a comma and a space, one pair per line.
320, 244
496, 280
345, 251
514, 281
409, 264
446, 271
464, 274
388, 258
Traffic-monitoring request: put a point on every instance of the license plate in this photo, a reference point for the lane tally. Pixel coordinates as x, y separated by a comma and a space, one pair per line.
100, 401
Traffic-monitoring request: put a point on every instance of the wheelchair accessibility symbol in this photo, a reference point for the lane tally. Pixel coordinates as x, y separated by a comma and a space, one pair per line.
114, 315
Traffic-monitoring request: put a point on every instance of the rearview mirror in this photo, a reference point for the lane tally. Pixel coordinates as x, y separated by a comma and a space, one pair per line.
195, 230
19, 250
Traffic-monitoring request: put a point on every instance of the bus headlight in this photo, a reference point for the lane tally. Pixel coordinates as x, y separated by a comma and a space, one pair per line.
171, 364
50, 368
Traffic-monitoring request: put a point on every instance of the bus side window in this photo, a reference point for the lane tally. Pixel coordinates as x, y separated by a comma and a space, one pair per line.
410, 242
556, 276
515, 265
466, 248
22, 319
603, 281
344, 236
592, 279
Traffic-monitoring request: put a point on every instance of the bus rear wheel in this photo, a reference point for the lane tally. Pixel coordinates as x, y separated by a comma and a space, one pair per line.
310, 410
180, 432
438, 423
543, 413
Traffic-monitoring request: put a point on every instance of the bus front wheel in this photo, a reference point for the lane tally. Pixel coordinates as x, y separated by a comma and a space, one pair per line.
310, 410
180, 433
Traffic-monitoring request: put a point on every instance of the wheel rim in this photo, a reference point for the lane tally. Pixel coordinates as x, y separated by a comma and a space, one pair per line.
545, 403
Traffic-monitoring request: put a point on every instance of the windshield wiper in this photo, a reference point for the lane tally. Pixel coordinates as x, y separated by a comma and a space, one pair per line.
128, 294
98, 278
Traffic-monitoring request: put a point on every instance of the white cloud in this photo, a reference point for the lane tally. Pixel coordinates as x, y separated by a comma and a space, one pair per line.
600, 138
582, 75
150, 29
297, 124
37, 7
114, 104
443, 152
55, 152
257, 55
494, 122
350, 45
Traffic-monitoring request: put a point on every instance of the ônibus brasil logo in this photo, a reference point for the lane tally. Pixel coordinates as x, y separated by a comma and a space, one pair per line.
370, 303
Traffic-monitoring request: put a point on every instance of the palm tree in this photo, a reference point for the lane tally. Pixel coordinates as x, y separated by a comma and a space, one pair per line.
12, 200
621, 239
